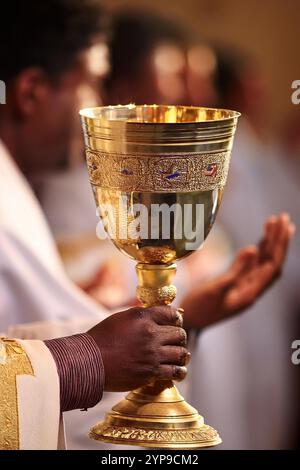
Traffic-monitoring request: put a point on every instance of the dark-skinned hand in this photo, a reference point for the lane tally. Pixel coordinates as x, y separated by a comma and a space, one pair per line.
141, 345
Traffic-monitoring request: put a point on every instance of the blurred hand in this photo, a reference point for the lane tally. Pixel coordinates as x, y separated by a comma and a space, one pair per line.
140, 345
253, 271
109, 286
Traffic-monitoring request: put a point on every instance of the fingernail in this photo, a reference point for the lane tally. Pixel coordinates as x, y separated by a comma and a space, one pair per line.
179, 373
188, 358
179, 320
179, 312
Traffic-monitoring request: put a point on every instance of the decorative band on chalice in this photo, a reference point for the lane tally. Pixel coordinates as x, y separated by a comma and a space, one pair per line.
158, 148
159, 172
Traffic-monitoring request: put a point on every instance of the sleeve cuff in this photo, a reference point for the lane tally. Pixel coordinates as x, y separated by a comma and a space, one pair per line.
80, 368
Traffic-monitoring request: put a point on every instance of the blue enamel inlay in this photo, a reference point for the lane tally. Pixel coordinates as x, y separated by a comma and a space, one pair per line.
126, 172
173, 175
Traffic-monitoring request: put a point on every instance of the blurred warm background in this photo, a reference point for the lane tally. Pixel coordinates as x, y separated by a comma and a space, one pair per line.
267, 30
242, 55
227, 53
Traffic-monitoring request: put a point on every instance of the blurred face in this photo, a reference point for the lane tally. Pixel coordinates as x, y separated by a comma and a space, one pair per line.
159, 78
202, 63
170, 69
184, 75
170, 74
49, 110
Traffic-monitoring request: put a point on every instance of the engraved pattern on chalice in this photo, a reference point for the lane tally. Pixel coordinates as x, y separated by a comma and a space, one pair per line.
154, 156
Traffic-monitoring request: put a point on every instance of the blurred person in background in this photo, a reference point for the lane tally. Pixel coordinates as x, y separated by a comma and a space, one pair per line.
37, 129
289, 146
44, 78
168, 65
91, 262
156, 70
260, 396
38, 125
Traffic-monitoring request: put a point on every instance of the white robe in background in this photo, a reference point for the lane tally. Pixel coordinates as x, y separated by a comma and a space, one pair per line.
33, 284
34, 289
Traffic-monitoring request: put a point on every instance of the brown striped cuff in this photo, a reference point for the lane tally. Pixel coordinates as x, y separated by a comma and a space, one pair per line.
80, 369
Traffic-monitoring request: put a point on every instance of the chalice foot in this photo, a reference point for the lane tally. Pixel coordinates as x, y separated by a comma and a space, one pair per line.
156, 415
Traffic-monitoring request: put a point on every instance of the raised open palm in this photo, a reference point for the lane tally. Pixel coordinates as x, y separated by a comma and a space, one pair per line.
254, 269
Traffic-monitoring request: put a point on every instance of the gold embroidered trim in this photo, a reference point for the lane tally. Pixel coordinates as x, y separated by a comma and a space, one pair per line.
158, 173
14, 362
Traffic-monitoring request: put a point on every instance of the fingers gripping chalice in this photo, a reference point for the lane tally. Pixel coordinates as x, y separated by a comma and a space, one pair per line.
158, 175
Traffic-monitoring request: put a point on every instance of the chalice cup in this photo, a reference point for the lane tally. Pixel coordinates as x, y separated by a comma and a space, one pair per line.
158, 175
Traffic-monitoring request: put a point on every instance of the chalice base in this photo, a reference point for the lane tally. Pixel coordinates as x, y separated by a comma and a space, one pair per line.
155, 416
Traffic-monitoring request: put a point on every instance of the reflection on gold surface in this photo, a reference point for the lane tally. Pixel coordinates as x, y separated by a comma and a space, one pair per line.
154, 156
156, 114
161, 250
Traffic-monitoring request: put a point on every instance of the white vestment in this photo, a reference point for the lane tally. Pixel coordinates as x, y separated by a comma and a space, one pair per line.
33, 285
29, 399
34, 289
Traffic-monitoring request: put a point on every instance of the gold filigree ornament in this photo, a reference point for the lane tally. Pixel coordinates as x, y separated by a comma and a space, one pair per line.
13, 362
158, 173
206, 434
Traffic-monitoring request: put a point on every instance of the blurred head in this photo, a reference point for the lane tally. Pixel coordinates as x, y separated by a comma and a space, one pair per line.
147, 60
239, 83
290, 136
156, 60
47, 57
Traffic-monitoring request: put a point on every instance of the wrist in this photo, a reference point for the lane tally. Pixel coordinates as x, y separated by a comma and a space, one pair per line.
80, 368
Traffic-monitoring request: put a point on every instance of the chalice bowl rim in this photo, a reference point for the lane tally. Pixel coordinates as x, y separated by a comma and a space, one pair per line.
94, 112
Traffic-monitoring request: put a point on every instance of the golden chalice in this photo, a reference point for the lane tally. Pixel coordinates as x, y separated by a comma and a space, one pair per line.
158, 175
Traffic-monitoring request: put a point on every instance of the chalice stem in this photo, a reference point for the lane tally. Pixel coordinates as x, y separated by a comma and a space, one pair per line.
155, 288
155, 284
